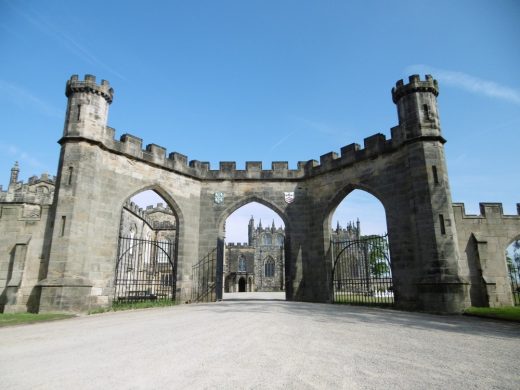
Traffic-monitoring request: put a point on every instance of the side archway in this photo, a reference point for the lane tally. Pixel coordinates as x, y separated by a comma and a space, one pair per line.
360, 262
146, 263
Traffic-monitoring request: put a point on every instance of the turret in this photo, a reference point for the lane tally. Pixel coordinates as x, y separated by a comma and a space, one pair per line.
430, 210
416, 108
14, 175
251, 231
87, 108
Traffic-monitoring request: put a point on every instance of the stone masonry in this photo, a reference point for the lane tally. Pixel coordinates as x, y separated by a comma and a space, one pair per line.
61, 256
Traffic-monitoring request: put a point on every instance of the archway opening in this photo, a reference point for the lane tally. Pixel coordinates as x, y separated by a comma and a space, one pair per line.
146, 264
242, 285
254, 253
361, 263
513, 268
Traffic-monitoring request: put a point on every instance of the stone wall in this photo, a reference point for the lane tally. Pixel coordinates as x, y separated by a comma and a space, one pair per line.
483, 240
24, 248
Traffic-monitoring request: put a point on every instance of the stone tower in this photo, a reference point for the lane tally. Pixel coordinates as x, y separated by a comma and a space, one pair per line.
87, 107
250, 231
434, 236
72, 264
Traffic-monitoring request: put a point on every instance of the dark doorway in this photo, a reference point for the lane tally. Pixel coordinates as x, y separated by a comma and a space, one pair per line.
241, 285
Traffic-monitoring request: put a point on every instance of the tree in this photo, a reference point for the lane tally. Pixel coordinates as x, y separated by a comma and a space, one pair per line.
513, 255
516, 253
377, 248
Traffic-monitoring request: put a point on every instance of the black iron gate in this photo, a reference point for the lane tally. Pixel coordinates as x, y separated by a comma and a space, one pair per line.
208, 276
204, 278
361, 272
514, 276
145, 270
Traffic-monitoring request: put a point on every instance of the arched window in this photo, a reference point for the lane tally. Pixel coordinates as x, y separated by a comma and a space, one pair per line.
242, 264
268, 239
269, 268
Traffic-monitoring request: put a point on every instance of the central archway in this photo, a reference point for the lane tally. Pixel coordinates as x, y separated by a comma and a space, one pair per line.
254, 253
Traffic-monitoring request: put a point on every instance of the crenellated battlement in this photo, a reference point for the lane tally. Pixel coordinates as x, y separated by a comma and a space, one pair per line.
144, 214
238, 245
89, 85
37, 189
487, 210
414, 85
133, 147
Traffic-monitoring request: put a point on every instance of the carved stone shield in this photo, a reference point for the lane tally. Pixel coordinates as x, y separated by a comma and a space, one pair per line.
289, 197
219, 197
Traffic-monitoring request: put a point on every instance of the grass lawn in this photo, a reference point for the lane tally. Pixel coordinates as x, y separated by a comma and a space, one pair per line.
7, 319
352, 299
117, 306
510, 313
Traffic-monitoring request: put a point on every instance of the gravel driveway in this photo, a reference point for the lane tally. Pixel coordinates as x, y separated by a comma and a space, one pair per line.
261, 343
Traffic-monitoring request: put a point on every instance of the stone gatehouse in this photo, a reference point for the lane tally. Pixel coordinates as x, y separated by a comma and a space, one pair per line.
59, 241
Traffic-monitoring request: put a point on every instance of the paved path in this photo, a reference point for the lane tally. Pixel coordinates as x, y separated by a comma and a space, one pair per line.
261, 344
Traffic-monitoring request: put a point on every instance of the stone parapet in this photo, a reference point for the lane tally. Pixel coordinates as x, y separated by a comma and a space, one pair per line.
415, 85
132, 147
89, 85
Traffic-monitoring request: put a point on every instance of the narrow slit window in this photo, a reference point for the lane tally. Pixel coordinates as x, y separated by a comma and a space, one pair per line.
435, 175
71, 169
426, 111
63, 219
443, 227
79, 112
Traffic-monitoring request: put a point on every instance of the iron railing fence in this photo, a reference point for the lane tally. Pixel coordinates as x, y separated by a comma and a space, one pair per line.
514, 277
361, 272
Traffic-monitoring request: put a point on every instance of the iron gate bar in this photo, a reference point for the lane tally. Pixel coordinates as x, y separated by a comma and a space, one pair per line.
145, 270
514, 276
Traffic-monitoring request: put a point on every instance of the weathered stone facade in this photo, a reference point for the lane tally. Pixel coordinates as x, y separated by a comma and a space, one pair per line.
61, 256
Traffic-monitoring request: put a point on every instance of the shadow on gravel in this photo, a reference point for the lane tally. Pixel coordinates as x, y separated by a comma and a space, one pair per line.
252, 300
367, 315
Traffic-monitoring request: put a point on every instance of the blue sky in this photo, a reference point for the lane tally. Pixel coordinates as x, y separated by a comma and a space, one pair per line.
268, 80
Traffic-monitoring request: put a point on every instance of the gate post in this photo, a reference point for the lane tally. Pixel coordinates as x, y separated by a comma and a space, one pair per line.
220, 268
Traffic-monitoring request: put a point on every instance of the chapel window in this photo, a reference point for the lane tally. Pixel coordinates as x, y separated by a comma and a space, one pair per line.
242, 264
269, 268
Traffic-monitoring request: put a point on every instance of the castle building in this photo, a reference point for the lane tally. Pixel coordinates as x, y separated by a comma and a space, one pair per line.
60, 245
258, 265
